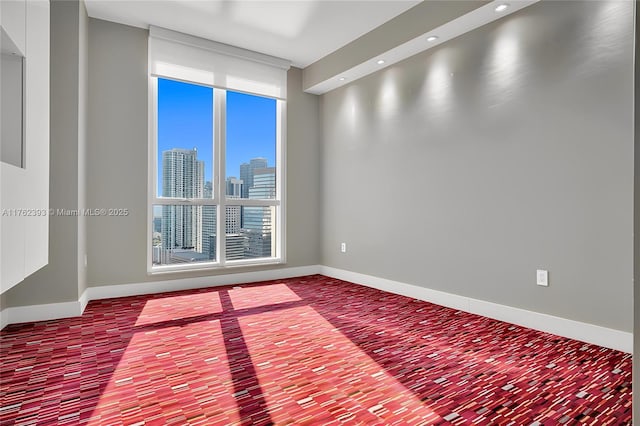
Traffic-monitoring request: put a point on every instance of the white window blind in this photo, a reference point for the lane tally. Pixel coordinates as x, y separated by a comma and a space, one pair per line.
184, 57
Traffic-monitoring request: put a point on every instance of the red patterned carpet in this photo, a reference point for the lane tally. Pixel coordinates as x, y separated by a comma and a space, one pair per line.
303, 351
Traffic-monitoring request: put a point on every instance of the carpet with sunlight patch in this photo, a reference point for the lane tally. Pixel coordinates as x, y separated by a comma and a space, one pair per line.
302, 351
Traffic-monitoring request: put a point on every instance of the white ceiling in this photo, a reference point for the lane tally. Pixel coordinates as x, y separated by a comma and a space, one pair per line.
302, 31
453, 28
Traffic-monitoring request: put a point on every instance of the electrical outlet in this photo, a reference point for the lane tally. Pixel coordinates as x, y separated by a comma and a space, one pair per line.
542, 277
343, 247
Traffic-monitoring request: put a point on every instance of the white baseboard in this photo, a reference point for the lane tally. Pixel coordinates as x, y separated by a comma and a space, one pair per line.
602, 336
46, 312
83, 300
4, 318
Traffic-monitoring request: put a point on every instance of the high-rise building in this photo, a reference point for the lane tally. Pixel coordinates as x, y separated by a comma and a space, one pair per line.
208, 227
208, 219
264, 183
233, 214
235, 246
182, 174
182, 177
208, 189
247, 172
234, 187
257, 221
232, 230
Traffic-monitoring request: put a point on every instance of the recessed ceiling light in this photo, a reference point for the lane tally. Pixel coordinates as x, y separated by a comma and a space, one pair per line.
380, 62
502, 8
341, 78
432, 38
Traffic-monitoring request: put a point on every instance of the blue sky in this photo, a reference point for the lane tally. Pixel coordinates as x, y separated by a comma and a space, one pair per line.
185, 120
251, 130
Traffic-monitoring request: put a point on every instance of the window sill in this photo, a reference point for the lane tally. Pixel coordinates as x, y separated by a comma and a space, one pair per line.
235, 264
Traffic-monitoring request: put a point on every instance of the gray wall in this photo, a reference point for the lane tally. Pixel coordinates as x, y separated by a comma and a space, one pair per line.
62, 279
117, 160
83, 92
466, 168
303, 173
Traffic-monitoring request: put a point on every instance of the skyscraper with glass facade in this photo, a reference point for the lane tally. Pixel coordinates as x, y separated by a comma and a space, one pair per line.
257, 221
182, 177
247, 172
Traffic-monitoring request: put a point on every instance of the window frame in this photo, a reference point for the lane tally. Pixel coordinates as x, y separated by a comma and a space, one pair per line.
219, 198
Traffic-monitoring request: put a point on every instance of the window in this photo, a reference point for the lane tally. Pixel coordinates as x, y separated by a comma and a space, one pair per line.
216, 163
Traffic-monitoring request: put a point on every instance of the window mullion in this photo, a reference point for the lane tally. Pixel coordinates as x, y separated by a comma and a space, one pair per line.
184, 201
280, 234
219, 120
153, 166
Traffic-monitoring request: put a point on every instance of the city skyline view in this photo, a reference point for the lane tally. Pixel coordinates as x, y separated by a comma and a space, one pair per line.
187, 233
185, 121
186, 170
230, 180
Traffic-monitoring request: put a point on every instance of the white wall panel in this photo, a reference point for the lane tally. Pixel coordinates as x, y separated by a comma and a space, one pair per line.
24, 200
